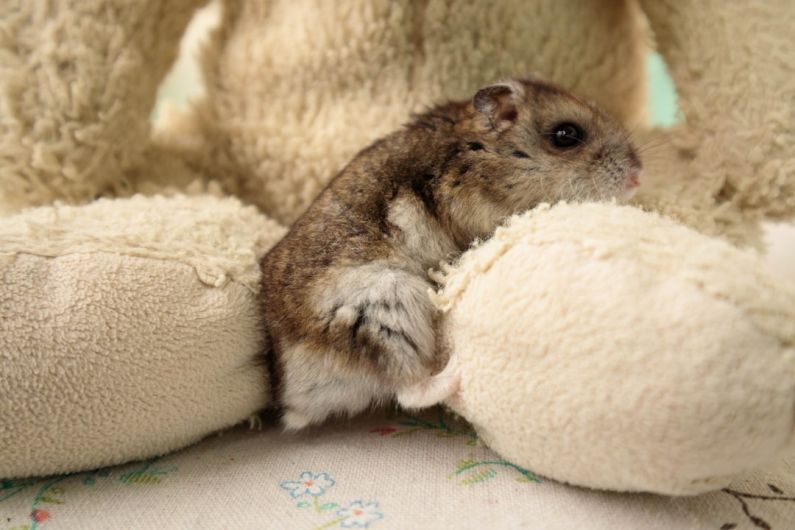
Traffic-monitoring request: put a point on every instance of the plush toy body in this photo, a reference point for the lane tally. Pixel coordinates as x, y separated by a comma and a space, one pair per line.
599, 345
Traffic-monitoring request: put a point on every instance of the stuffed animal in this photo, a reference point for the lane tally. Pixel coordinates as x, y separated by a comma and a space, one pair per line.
600, 345
612, 348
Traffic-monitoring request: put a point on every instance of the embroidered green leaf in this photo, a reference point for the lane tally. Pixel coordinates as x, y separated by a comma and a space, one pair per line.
442, 427
407, 431
140, 478
328, 506
464, 464
479, 476
467, 465
447, 434
303, 504
526, 475
145, 475
50, 500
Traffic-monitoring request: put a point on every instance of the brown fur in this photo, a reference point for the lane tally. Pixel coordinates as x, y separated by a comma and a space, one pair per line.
420, 195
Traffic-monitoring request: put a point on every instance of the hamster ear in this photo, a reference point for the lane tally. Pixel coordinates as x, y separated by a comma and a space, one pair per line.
499, 104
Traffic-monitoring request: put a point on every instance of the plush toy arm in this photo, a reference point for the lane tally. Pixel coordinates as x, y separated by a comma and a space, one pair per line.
77, 82
128, 328
733, 157
611, 348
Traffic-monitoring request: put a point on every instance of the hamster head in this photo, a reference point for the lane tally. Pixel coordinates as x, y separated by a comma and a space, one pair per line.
526, 142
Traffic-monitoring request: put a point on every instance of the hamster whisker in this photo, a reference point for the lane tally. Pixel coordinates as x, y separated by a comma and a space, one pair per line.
653, 142
593, 182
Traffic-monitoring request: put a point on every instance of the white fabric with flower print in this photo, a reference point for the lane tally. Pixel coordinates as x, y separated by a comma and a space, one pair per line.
308, 484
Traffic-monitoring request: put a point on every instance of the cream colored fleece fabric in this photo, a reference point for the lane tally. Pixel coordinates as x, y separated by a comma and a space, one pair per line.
296, 88
612, 348
129, 329
732, 159
217, 236
341, 74
77, 82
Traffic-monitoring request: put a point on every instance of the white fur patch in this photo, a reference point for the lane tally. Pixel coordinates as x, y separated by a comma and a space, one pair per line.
311, 395
393, 307
423, 240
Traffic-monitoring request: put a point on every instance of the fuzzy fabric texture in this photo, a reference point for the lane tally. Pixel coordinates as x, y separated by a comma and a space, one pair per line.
690, 387
129, 328
220, 238
345, 74
77, 82
731, 159
296, 88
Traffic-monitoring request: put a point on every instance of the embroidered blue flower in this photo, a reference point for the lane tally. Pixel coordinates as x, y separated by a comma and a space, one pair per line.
360, 514
308, 483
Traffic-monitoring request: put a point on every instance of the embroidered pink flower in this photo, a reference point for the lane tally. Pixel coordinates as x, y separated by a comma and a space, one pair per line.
359, 514
384, 431
40, 516
308, 483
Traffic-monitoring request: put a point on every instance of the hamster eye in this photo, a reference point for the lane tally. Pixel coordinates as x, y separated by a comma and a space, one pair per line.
566, 135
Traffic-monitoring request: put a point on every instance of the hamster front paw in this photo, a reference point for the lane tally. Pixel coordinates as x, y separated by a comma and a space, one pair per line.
386, 316
372, 333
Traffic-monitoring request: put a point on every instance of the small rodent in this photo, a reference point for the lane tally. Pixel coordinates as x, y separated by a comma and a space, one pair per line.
347, 315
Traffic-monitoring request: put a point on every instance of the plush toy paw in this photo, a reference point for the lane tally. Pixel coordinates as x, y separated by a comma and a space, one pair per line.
607, 347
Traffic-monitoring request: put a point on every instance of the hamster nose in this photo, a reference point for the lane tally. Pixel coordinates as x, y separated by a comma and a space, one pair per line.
633, 178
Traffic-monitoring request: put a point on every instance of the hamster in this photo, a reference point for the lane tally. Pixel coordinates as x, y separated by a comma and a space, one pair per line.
347, 315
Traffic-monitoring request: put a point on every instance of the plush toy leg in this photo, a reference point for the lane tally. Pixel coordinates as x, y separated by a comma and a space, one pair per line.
77, 82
